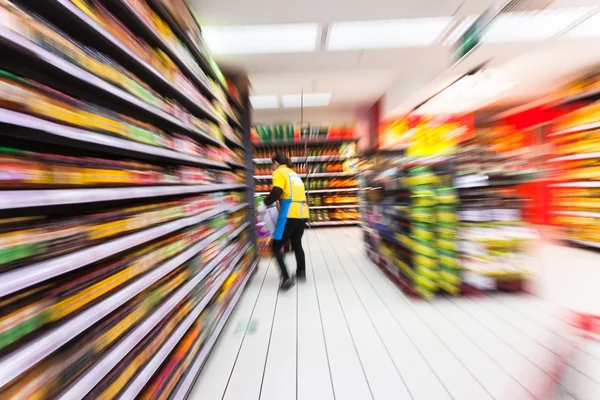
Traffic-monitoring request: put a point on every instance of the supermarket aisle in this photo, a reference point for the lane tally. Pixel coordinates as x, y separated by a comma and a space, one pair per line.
348, 333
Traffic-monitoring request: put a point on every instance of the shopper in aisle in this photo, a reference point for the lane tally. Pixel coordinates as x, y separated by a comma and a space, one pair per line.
288, 188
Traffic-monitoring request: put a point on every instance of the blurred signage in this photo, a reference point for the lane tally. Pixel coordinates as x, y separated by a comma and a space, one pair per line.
438, 136
394, 134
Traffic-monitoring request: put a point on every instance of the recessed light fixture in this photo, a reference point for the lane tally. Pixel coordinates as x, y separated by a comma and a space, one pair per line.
264, 101
257, 39
310, 100
532, 25
386, 33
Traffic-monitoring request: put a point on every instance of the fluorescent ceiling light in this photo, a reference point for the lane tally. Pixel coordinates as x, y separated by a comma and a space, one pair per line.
385, 33
257, 39
266, 101
590, 28
531, 26
310, 100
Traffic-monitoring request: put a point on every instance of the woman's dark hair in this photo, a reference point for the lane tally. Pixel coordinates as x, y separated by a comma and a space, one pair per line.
281, 158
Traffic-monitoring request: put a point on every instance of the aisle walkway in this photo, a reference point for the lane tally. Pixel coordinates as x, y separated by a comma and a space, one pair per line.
349, 334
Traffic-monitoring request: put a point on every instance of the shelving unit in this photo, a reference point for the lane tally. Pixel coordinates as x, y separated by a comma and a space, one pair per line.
325, 209
129, 211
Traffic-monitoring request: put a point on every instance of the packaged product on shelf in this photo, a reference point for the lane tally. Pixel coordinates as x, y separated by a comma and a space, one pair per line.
118, 378
29, 96
65, 296
155, 57
55, 373
421, 180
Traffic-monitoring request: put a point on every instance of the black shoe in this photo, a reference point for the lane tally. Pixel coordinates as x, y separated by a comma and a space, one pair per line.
287, 283
301, 275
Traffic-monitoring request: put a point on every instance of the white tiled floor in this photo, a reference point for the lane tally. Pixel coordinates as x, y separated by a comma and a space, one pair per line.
347, 333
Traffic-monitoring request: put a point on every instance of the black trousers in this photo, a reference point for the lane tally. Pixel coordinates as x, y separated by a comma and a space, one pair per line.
293, 231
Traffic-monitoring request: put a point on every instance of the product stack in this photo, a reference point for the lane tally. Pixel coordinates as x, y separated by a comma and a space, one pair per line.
413, 226
451, 223
492, 232
329, 170
123, 234
576, 150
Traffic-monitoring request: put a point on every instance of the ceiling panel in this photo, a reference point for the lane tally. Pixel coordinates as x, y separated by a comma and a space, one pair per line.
291, 62
240, 12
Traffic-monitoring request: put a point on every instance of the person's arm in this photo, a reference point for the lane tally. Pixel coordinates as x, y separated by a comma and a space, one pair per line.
273, 196
275, 193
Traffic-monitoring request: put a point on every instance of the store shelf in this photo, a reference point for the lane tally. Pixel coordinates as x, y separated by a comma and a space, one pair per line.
582, 242
95, 374
236, 164
578, 213
580, 128
256, 194
309, 142
237, 208
336, 206
332, 190
89, 24
315, 175
17, 362
231, 118
331, 174
579, 96
150, 32
63, 134
582, 184
187, 382
136, 385
580, 156
302, 159
72, 71
238, 230
189, 43
233, 141
12, 199
20, 278
333, 223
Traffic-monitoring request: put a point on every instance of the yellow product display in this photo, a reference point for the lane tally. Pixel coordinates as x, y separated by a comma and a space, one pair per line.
423, 234
427, 273
449, 277
422, 179
423, 215
425, 261
424, 292
104, 176
424, 249
447, 244
404, 267
449, 287
108, 229
81, 299
444, 216
449, 261
426, 282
